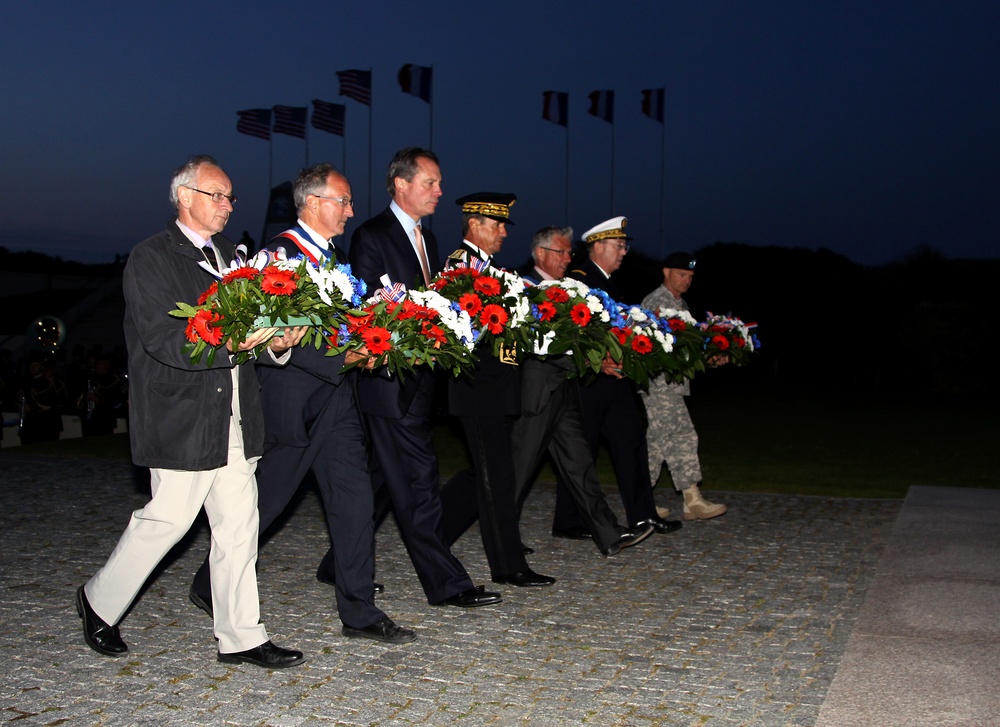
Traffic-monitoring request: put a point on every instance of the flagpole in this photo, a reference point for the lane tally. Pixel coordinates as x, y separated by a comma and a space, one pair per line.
371, 189
663, 184
567, 174
612, 166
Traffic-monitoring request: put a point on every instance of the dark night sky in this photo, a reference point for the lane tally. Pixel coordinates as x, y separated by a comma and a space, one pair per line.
868, 128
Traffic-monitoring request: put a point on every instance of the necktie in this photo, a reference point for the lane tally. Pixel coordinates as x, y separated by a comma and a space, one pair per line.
211, 255
422, 254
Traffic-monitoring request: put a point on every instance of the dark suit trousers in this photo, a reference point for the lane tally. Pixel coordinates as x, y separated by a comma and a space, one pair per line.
559, 428
404, 451
336, 455
492, 481
612, 412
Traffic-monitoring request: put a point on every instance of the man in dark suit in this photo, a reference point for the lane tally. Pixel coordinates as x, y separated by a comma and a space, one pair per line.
393, 247
610, 406
487, 405
197, 426
552, 418
312, 424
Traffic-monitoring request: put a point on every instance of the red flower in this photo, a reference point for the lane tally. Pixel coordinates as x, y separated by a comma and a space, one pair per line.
580, 314
424, 313
245, 272
676, 324
471, 302
642, 344
278, 282
434, 333
721, 342
357, 323
740, 342
556, 295
203, 327
459, 273
487, 285
409, 310
212, 290
377, 340
620, 334
493, 317
546, 311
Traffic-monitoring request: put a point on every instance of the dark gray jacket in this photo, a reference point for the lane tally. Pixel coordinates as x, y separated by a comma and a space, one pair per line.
179, 411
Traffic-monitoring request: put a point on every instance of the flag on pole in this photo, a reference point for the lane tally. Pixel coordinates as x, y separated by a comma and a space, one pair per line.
328, 117
290, 120
416, 80
255, 122
357, 85
555, 106
602, 105
652, 103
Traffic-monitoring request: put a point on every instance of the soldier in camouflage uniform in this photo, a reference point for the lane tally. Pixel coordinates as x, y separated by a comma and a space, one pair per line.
671, 437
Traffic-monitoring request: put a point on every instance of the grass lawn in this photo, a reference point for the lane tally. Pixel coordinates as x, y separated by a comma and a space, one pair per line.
837, 448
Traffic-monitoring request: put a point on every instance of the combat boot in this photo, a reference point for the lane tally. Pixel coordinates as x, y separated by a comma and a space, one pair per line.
697, 507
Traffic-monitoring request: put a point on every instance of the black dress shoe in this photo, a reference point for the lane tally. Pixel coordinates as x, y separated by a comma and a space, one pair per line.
201, 603
472, 598
526, 550
379, 588
525, 578
266, 655
660, 525
100, 637
384, 630
630, 537
577, 532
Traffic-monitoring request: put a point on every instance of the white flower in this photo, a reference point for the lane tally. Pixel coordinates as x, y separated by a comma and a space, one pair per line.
666, 341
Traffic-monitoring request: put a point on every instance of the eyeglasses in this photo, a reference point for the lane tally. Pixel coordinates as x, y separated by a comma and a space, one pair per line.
557, 250
623, 246
344, 201
217, 197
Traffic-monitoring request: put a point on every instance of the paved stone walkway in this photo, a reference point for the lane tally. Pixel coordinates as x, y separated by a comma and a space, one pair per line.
737, 621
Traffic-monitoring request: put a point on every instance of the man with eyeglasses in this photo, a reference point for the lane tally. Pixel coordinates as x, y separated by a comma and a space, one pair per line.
610, 404
552, 419
197, 426
312, 424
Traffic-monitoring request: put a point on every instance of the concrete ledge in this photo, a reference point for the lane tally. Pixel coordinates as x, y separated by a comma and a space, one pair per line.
926, 647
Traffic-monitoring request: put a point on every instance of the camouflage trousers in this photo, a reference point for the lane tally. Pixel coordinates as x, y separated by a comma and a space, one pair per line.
671, 437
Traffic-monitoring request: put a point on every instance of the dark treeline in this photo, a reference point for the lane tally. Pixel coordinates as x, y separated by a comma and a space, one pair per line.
828, 325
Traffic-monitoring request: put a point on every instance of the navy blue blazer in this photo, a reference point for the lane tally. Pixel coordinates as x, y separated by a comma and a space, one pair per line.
295, 395
380, 247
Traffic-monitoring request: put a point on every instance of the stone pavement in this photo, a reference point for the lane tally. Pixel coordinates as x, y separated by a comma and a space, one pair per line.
741, 620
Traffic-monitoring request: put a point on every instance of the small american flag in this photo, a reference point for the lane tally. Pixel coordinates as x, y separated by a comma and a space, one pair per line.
290, 120
255, 122
328, 117
357, 85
